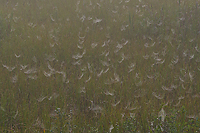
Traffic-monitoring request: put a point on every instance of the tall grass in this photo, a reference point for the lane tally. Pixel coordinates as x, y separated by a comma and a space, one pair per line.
99, 66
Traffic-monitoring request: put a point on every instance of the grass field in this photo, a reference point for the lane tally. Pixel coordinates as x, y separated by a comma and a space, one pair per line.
100, 66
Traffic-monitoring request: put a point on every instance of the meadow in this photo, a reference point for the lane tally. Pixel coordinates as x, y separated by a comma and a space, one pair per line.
99, 66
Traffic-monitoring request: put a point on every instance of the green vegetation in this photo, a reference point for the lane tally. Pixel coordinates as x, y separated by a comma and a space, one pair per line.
100, 66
